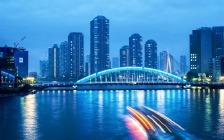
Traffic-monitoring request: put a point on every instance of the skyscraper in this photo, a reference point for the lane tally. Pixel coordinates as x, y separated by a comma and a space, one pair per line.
63, 72
115, 62
53, 59
217, 41
76, 56
21, 62
87, 65
43, 68
218, 68
99, 44
8, 60
200, 50
183, 64
135, 50
14, 61
124, 56
151, 54
87, 58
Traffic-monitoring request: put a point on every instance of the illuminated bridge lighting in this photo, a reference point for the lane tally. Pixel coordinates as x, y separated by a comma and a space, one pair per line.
104, 73
8, 75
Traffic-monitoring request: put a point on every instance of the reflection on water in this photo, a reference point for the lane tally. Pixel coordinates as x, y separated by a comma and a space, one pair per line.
30, 126
101, 114
221, 114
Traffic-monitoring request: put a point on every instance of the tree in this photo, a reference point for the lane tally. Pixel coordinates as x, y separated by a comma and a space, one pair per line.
191, 75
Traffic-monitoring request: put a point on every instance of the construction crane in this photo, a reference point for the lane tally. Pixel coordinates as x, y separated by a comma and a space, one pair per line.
18, 42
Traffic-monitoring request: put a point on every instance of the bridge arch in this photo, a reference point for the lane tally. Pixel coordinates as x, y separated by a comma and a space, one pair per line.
138, 69
10, 76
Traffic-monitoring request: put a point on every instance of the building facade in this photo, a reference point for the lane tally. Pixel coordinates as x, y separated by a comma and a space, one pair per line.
217, 41
124, 56
87, 65
200, 50
135, 50
14, 61
53, 65
115, 62
43, 69
218, 69
99, 44
183, 64
7, 60
21, 62
151, 54
76, 56
63, 63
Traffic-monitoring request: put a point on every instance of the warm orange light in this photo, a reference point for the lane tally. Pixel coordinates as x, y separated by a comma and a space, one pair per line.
222, 77
142, 119
164, 117
30, 78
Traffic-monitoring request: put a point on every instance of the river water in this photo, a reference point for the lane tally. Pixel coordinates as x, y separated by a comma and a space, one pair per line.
67, 115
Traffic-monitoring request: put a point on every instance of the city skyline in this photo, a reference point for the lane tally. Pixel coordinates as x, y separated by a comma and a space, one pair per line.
170, 27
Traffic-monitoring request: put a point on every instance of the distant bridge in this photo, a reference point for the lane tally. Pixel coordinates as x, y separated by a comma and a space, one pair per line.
10, 76
54, 86
131, 78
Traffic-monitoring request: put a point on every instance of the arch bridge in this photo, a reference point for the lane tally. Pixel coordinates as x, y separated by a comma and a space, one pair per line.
130, 76
10, 76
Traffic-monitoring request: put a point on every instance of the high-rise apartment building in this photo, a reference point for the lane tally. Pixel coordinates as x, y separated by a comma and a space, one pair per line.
43, 68
135, 50
183, 64
151, 54
115, 62
200, 50
99, 44
53, 59
218, 68
87, 65
217, 41
63, 72
75, 56
124, 56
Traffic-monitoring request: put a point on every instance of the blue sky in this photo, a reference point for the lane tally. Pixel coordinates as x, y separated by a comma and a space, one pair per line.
48, 22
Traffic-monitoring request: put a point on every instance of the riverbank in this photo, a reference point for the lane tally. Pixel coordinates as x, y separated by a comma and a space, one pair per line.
12, 91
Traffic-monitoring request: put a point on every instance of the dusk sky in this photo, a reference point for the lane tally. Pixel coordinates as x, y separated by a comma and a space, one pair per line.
49, 22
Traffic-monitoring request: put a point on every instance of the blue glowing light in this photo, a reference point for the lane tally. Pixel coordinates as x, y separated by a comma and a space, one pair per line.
142, 69
10, 76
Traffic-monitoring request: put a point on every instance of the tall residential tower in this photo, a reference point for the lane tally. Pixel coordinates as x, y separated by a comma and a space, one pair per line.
200, 50
135, 50
183, 64
99, 44
217, 41
75, 56
63, 72
151, 54
124, 56
53, 65
115, 62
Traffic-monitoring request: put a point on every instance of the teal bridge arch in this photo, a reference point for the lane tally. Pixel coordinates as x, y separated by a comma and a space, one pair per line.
10, 76
174, 78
